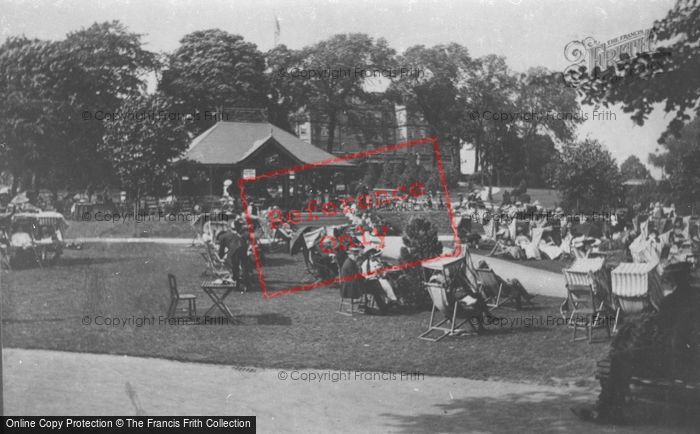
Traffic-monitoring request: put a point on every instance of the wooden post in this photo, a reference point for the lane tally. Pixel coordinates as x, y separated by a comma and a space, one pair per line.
211, 181
2, 411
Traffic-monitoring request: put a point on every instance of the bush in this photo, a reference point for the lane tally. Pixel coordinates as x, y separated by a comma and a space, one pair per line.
524, 198
420, 242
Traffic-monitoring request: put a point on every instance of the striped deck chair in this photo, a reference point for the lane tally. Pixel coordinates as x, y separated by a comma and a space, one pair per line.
585, 310
636, 288
587, 272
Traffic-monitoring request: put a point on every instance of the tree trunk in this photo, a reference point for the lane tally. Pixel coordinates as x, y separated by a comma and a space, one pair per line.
136, 210
332, 120
15, 182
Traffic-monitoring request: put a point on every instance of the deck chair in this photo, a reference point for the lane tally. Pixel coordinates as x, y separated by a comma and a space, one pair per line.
217, 269
491, 289
176, 298
585, 311
587, 272
5, 259
438, 295
532, 251
216, 266
500, 248
579, 253
636, 288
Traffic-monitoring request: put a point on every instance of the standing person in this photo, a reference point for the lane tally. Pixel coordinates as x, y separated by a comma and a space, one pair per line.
230, 247
245, 250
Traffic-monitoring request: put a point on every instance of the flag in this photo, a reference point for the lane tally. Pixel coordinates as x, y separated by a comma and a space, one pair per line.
277, 30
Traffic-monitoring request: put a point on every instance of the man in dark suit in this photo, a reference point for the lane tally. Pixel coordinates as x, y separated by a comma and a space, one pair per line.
231, 245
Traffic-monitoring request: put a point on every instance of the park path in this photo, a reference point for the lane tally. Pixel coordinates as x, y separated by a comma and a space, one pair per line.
42, 382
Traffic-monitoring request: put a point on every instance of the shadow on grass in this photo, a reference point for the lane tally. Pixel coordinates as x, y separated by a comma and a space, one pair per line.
76, 262
37, 320
277, 260
545, 411
265, 319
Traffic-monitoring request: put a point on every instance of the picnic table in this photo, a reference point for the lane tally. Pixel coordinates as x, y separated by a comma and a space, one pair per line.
213, 287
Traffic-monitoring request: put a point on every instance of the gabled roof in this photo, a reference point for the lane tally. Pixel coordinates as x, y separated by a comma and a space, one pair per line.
231, 142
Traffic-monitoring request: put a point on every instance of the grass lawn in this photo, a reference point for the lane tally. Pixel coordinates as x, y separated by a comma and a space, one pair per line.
130, 228
45, 309
440, 219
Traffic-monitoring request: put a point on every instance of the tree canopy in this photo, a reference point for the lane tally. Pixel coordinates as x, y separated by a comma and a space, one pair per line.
211, 71
633, 168
587, 177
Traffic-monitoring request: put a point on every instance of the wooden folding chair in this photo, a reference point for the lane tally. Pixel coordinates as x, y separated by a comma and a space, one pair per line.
354, 299
500, 248
176, 298
214, 270
438, 295
5, 259
491, 289
585, 311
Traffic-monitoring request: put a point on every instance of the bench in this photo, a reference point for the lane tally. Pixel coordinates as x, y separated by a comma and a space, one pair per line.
659, 384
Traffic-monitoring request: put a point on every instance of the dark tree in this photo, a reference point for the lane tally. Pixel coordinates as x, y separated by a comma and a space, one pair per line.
632, 168
668, 75
328, 96
587, 177
212, 71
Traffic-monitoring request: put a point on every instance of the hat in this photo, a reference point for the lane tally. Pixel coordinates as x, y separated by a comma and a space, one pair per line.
372, 251
355, 250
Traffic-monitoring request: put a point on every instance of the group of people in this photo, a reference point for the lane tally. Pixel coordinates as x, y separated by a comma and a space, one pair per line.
233, 250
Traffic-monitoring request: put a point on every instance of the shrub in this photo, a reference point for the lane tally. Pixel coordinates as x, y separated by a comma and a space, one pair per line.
420, 242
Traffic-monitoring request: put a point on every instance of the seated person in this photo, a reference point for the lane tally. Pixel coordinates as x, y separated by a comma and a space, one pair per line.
662, 345
511, 287
470, 303
470, 299
373, 263
359, 286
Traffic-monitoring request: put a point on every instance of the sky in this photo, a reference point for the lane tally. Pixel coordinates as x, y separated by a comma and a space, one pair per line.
527, 32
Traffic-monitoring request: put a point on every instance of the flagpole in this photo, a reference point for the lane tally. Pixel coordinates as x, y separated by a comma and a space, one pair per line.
276, 31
